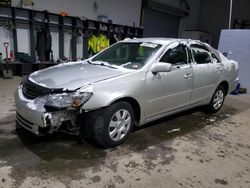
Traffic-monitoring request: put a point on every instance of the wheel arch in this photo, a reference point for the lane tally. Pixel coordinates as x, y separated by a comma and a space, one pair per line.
225, 85
134, 103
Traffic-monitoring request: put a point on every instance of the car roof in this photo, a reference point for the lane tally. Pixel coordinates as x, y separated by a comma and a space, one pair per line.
163, 41
167, 41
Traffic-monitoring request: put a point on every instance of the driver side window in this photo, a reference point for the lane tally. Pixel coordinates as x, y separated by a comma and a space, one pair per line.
175, 56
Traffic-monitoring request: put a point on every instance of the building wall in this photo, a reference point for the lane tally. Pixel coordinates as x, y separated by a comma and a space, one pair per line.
120, 11
241, 10
214, 16
189, 22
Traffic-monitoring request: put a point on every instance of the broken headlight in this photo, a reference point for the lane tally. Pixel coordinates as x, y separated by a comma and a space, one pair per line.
68, 100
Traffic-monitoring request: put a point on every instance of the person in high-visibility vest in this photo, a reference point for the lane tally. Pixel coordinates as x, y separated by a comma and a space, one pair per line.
97, 43
102, 42
92, 45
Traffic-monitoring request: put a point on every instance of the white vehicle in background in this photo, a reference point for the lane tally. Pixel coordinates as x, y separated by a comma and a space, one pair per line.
131, 83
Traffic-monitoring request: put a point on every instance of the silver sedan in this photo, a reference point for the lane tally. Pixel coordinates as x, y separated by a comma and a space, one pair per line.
131, 83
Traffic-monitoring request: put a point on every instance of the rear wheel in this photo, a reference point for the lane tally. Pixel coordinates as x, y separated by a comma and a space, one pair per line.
110, 126
217, 100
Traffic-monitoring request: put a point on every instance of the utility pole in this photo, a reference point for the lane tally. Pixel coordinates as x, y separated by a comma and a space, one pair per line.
230, 14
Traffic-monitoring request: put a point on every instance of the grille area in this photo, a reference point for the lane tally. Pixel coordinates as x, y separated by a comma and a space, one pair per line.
30, 93
31, 90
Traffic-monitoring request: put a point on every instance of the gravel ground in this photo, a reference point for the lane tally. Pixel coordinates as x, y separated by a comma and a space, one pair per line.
190, 149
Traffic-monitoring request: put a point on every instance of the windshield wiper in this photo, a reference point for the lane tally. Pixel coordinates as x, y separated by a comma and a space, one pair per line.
89, 62
101, 63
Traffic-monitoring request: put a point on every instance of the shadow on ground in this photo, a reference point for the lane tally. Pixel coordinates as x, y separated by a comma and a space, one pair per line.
65, 146
52, 154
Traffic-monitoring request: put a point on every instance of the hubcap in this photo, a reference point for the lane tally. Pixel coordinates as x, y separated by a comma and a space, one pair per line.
119, 125
218, 99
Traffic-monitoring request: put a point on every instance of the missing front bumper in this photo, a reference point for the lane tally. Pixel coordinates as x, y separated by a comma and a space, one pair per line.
52, 122
34, 117
21, 121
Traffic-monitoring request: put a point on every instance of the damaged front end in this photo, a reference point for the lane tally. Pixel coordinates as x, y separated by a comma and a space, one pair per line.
43, 110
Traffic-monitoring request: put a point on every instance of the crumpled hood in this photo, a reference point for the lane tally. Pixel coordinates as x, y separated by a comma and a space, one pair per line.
72, 76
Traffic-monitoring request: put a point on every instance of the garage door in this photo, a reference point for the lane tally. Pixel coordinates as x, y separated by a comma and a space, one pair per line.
158, 24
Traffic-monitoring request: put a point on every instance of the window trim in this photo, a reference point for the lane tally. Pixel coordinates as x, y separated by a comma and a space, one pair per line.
190, 55
218, 60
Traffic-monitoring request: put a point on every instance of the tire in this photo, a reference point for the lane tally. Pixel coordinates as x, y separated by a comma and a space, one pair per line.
217, 100
108, 127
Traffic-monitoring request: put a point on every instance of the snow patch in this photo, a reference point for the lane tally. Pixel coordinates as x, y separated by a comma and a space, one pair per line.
6, 179
87, 88
31, 105
40, 84
35, 73
174, 130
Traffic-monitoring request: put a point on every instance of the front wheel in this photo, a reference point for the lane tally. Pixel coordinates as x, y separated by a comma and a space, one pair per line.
217, 100
112, 125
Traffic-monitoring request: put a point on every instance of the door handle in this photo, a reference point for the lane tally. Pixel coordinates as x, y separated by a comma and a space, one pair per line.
188, 76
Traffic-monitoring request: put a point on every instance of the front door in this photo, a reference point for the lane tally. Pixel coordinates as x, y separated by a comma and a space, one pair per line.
169, 91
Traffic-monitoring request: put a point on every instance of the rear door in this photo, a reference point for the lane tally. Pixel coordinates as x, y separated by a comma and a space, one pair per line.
207, 73
168, 91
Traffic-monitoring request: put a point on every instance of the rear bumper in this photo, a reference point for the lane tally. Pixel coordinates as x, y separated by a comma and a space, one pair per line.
32, 115
233, 85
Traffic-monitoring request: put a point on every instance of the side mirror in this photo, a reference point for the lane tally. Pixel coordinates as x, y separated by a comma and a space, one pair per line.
161, 67
227, 53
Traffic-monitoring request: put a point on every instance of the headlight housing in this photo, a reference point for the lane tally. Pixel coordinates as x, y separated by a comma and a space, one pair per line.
68, 100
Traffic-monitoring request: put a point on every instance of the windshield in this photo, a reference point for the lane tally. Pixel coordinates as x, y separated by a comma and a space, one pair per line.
128, 55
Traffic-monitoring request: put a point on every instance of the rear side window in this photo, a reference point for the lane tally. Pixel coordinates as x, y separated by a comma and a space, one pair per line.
201, 54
